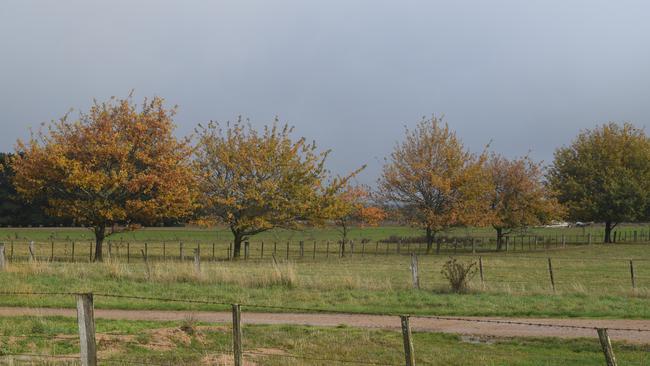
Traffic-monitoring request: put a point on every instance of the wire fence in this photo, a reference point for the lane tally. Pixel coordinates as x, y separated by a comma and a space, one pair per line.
91, 343
16, 250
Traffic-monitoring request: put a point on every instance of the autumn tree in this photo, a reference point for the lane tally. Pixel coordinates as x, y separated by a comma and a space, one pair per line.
353, 205
435, 182
519, 197
117, 165
604, 175
254, 181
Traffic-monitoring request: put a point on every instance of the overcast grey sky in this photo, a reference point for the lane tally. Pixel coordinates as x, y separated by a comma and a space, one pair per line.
527, 75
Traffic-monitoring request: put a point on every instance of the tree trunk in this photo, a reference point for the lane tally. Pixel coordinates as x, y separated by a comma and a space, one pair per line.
430, 240
100, 234
236, 249
608, 231
499, 238
345, 239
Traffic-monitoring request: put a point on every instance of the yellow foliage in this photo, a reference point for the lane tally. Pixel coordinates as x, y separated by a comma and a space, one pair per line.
255, 181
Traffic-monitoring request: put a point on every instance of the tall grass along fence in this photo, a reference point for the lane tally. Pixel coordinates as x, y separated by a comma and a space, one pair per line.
131, 250
88, 345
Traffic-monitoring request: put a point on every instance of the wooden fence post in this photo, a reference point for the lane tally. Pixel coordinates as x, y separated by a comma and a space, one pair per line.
414, 271
563, 241
473, 248
262, 250
86, 322
632, 275
606, 345
72, 254
550, 273
313, 256
197, 261
327, 249
302, 249
213, 257
480, 270
246, 249
146, 250
236, 335
32, 256
180, 251
2, 257
52, 251
146, 263
287, 250
409, 353
90, 251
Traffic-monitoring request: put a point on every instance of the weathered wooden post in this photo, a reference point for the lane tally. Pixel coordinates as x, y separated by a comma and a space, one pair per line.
409, 353
146, 263
414, 271
473, 248
146, 250
236, 335
589, 239
180, 251
287, 250
262, 250
313, 256
2, 256
632, 275
606, 345
213, 255
327, 249
86, 322
72, 254
32, 257
302, 249
480, 269
197, 261
550, 273
52, 251
246, 249
563, 241
90, 251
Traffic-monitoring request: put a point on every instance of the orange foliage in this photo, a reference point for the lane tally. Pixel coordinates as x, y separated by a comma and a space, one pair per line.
114, 165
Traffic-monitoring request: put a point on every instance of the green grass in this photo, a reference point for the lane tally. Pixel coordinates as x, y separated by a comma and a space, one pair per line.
165, 343
223, 235
591, 281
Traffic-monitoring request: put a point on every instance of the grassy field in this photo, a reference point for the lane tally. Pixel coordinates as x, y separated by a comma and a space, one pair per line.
220, 235
591, 281
192, 343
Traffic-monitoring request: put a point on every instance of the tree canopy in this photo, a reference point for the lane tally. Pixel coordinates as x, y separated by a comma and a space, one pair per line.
519, 197
116, 165
435, 182
604, 175
352, 205
254, 181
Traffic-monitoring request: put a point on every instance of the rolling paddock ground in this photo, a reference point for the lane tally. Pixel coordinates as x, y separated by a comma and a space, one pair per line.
591, 281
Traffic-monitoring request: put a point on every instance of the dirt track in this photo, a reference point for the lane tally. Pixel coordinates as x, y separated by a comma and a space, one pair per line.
375, 321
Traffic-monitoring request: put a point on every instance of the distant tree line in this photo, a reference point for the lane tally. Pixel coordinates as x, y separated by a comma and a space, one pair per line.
119, 166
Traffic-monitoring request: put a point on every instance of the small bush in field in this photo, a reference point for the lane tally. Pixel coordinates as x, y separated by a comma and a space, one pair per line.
458, 274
